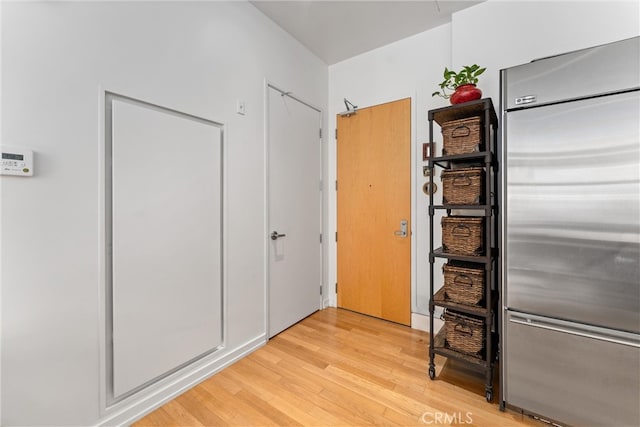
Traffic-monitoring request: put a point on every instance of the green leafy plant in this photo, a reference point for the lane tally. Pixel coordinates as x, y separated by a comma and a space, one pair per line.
468, 75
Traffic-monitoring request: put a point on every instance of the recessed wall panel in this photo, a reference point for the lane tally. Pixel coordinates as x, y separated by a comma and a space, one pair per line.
166, 237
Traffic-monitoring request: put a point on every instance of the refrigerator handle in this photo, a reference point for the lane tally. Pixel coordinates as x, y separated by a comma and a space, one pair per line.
530, 321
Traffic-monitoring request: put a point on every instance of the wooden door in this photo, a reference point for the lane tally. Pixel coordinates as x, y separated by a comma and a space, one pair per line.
374, 196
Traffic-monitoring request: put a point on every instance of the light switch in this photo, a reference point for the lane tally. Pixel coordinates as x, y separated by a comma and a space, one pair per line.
241, 107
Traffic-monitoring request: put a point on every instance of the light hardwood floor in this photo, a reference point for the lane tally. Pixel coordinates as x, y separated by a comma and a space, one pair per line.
338, 368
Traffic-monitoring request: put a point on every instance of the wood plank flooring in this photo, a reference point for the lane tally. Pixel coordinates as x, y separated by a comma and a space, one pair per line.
338, 368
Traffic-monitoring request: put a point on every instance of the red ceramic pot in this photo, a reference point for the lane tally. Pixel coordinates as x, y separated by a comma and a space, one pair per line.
465, 93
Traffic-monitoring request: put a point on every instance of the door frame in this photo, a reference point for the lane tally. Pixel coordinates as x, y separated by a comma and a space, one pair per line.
333, 200
267, 247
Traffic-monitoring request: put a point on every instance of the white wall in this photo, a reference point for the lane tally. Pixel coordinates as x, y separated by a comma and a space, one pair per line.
495, 34
57, 59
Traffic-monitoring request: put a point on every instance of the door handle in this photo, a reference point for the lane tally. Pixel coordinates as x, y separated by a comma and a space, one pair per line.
275, 235
527, 321
403, 228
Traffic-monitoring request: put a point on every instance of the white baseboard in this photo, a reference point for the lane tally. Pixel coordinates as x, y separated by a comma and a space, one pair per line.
421, 322
190, 377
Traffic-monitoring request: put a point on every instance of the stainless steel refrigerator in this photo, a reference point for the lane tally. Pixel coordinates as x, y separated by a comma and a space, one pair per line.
571, 236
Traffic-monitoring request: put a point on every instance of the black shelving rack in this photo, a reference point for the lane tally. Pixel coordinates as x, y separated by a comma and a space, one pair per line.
490, 259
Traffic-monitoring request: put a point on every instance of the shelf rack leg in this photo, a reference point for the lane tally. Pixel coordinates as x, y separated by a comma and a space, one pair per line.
432, 366
488, 387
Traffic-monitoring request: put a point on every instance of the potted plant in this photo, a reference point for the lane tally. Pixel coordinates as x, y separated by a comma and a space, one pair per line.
462, 84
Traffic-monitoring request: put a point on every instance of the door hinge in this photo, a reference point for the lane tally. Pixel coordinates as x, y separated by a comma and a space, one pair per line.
336, 236
320, 133
320, 237
320, 289
336, 134
336, 287
336, 185
320, 185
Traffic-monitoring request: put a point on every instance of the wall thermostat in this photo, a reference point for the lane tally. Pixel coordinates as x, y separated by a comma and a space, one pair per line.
16, 161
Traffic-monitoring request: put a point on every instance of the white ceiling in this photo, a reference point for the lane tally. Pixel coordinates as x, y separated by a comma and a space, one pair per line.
337, 30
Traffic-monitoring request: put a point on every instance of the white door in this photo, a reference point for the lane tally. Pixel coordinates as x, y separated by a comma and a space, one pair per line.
294, 211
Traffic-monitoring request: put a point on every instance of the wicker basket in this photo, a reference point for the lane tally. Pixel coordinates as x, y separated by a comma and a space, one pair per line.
463, 333
463, 284
462, 235
461, 136
463, 186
